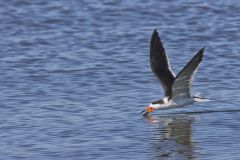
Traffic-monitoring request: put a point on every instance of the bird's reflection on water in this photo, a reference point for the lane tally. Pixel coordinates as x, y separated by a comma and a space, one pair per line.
172, 137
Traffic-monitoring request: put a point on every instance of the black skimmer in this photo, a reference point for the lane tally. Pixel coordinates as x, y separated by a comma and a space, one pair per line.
176, 88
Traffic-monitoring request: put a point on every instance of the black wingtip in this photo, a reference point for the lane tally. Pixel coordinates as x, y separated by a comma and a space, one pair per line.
155, 32
201, 51
200, 54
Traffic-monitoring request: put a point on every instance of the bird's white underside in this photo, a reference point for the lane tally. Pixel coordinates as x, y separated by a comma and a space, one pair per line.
176, 103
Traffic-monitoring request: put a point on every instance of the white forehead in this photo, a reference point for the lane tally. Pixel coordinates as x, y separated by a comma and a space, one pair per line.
155, 105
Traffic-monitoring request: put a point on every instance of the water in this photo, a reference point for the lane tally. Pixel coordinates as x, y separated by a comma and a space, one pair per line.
75, 75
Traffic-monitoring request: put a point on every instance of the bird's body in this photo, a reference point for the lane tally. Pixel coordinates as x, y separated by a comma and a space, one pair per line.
173, 103
176, 88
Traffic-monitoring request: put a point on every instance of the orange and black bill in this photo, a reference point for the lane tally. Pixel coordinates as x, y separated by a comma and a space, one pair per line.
144, 112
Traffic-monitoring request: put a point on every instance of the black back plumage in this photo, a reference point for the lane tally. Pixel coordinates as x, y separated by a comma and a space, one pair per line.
159, 63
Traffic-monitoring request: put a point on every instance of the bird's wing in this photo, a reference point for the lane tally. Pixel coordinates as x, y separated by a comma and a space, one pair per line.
160, 65
182, 83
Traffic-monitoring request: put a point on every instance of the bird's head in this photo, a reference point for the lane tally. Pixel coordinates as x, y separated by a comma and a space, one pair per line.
159, 104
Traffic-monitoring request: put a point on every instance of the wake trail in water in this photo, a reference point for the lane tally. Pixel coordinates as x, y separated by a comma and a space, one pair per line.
228, 101
214, 111
208, 111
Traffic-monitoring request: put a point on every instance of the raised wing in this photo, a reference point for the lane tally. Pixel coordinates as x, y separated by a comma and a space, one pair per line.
182, 83
160, 65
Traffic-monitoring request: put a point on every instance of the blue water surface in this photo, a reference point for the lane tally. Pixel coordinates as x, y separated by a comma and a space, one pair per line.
75, 75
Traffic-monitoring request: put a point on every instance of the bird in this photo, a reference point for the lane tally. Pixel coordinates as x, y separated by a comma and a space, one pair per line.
176, 88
